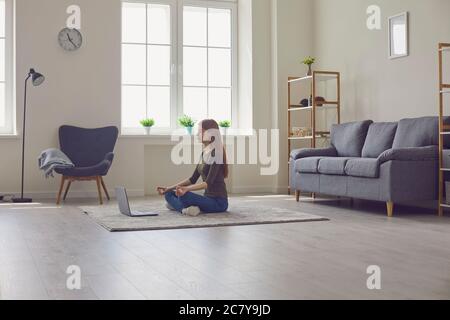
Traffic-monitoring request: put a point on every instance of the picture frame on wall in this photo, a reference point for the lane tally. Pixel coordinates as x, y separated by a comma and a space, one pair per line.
399, 36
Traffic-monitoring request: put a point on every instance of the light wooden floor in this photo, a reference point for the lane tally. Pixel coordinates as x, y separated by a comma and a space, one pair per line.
319, 260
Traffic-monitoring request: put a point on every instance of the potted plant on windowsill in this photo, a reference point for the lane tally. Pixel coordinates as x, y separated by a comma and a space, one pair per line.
309, 61
225, 125
187, 122
148, 124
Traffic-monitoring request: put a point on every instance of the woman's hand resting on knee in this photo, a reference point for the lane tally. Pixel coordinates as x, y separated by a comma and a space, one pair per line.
162, 190
181, 191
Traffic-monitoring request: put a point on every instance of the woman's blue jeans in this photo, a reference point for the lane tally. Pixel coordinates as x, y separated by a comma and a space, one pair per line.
190, 199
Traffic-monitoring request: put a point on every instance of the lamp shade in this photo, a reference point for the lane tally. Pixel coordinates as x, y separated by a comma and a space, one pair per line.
36, 78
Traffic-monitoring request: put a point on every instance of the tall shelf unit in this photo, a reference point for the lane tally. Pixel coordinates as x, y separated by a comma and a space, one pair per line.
444, 129
297, 112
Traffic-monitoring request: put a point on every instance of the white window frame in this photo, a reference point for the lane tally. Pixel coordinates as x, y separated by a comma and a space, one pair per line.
173, 75
224, 4
177, 58
10, 105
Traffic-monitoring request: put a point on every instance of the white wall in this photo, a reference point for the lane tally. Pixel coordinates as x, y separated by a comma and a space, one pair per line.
83, 89
292, 36
375, 87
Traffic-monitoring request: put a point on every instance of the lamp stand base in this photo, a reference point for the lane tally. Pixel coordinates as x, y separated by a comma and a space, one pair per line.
22, 200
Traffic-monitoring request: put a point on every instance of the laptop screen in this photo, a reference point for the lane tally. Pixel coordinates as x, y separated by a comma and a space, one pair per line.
122, 199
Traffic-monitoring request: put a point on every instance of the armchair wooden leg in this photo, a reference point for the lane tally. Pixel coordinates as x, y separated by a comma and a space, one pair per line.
67, 190
297, 195
390, 209
99, 189
61, 187
105, 189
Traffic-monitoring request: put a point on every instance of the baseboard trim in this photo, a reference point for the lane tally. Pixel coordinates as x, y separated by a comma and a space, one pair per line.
281, 190
92, 194
76, 194
252, 189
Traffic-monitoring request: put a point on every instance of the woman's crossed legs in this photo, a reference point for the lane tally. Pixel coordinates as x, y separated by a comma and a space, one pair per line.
190, 199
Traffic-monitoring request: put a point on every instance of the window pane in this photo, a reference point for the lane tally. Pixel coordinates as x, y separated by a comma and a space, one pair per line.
219, 67
219, 24
133, 106
133, 22
2, 105
2, 19
195, 103
159, 65
159, 105
133, 64
2, 59
158, 24
194, 26
220, 104
195, 67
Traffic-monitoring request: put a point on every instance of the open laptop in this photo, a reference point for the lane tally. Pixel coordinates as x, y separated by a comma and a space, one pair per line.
124, 205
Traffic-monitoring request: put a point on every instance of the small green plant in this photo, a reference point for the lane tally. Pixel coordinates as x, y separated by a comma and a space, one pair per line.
225, 124
186, 122
147, 123
309, 60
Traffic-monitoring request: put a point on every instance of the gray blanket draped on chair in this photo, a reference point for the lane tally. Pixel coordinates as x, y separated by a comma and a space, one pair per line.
52, 159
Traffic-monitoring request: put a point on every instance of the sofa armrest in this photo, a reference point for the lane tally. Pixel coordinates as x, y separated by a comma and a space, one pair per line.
306, 153
410, 154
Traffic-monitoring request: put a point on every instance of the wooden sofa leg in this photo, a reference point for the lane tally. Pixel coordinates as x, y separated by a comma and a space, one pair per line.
61, 187
105, 189
99, 189
390, 209
297, 195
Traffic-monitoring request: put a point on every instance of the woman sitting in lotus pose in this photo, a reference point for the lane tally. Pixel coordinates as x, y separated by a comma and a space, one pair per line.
213, 169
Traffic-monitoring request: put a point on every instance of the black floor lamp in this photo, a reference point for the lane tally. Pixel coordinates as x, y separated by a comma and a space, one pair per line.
37, 79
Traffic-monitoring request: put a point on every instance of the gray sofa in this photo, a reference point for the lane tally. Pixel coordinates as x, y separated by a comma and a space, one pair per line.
389, 162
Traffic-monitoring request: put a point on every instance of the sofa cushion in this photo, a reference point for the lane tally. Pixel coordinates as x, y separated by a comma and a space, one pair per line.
348, 139
307, 165
380, 138
363, 167
419, 132
333, 166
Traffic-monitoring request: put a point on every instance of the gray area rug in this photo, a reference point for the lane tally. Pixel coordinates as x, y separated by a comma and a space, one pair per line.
241, 212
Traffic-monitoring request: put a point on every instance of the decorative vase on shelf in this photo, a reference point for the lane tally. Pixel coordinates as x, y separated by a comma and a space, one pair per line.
148, 130
305, 103
309, 70
189, 130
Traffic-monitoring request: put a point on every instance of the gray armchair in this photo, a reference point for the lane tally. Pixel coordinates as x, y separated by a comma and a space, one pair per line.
91, 151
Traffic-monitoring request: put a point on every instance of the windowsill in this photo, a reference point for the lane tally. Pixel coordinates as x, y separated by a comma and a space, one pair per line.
9, 136
157, 134
167, 139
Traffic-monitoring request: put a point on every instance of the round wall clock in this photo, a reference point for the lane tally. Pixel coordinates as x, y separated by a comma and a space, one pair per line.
70, 39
